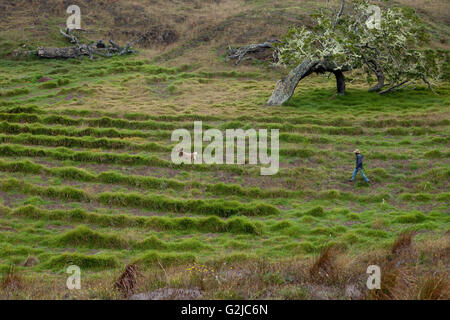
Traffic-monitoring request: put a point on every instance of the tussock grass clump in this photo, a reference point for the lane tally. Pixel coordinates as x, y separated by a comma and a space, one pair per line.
435, 175
379, 173
281, 225
25, 166
19, 117
54, 83
316, 212
435, 154
83, 236
185, 245
14, 92
330, 194
23, 109
434, 287
324, 268
152, 242
70, 173
422, 197
415, 217
51, 192
92, 262
234, 189
307, 247
139, 181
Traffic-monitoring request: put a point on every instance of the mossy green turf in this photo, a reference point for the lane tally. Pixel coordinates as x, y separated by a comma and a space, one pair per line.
81, 184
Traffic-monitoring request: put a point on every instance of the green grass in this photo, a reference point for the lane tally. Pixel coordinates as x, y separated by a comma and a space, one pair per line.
93, 262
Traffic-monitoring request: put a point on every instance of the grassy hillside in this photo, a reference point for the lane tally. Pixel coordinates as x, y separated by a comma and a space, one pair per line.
86, 176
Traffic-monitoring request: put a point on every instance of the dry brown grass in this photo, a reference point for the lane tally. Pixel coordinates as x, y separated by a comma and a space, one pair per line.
12, 280
411, 271
324, 268
402, 243
127, 281
408, 275
434, 287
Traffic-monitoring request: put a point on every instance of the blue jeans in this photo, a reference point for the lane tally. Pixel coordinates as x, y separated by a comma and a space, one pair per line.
356, 171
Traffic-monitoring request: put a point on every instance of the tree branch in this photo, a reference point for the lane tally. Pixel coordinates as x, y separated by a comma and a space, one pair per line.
399, 86
428, 84
338, 17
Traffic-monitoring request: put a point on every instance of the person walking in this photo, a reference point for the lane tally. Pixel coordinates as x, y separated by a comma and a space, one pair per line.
359, 166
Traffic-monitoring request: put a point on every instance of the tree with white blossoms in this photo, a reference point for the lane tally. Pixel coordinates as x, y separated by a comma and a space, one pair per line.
384, 41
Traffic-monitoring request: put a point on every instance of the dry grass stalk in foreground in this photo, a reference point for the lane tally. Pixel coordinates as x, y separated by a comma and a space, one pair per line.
434, 287
400, 282
403, 242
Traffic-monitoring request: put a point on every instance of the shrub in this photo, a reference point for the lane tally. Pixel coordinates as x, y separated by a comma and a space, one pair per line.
403, 242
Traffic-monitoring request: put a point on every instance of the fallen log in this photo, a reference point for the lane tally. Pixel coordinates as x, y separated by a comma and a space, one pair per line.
284, 88
52, 53
99, 48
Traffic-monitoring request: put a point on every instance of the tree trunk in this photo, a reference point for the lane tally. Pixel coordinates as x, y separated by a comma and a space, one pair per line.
284, 89
380, 83
340, 82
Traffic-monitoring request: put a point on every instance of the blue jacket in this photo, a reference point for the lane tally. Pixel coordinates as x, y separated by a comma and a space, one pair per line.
359, 161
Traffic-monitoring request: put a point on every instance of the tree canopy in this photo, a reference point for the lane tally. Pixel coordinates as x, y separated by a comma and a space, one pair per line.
384, 41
